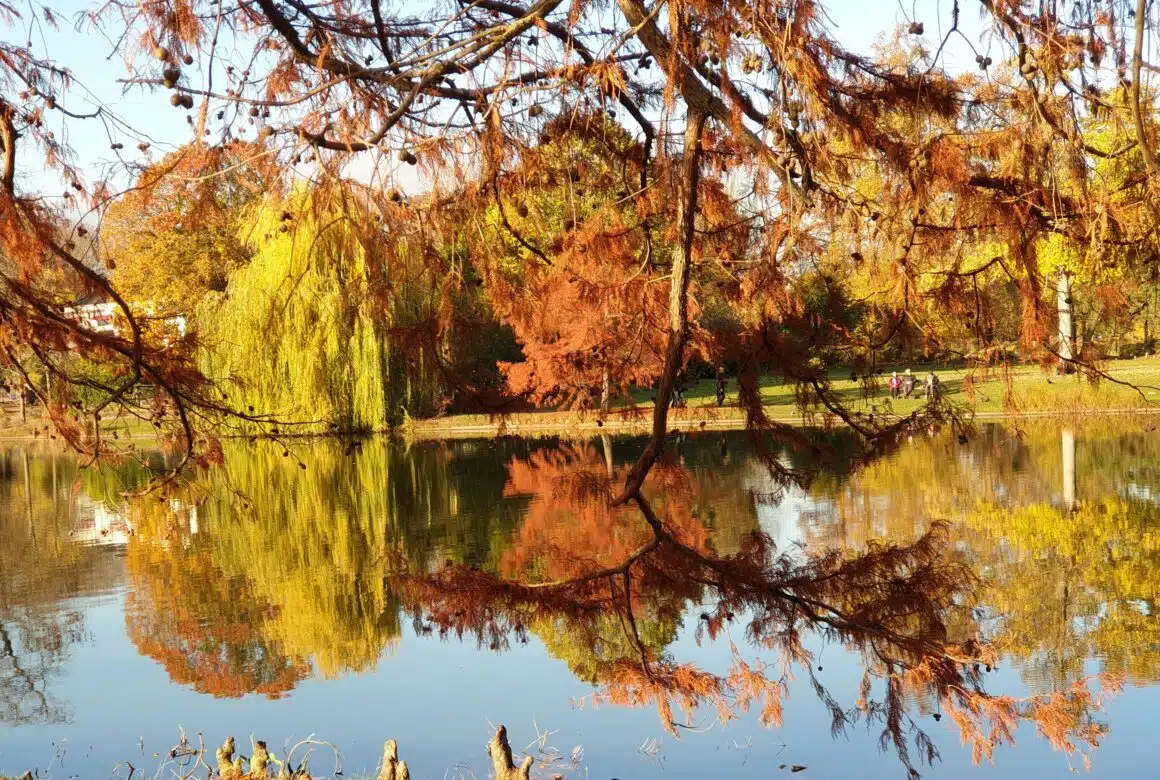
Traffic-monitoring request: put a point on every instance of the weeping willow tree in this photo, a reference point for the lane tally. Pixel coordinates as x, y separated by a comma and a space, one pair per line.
311, 327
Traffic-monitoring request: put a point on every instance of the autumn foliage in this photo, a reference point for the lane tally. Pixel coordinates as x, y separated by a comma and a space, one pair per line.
202, 627
626, 186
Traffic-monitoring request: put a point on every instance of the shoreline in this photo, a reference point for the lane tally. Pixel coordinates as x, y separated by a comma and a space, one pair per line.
618, 423
538, 424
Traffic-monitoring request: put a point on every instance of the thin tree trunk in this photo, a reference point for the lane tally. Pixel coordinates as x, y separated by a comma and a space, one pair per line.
605, 390
1137, 114
1068, 442
1066, 320
23, 410
690, 174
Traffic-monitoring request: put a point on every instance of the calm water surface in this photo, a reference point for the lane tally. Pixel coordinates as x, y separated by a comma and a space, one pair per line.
253, 602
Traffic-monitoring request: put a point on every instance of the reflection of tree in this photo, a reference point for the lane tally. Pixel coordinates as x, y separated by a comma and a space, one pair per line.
39, 569
33, 648
203, 625
289, 559
609, 595
328, 525
1061, 585
303, 562
569, 529
594, 648
1069, 586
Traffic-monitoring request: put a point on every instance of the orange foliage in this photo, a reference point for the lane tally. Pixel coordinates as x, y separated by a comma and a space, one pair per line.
202, 626
570, 528
891, 604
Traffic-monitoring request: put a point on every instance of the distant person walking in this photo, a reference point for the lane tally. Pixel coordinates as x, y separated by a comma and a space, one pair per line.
932, 386
895, 385
720, 387
907, 384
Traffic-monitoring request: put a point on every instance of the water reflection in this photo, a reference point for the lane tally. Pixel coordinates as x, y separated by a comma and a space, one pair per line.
42, 564
1062, 525
1036, 551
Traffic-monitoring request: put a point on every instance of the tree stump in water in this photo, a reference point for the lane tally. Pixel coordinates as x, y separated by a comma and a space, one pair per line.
499, 749
393, 768
260, 761
229, 765
501, 757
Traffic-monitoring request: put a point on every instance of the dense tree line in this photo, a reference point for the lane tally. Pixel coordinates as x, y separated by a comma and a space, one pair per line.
811, 204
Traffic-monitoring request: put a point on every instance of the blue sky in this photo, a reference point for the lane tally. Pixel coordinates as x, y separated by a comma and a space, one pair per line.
88, 54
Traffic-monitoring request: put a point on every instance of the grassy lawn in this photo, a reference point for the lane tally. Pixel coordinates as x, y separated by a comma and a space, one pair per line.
1032, 389
36, 427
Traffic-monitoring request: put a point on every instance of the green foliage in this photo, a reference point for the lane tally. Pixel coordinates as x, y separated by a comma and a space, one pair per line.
300, 332
579, 170
170, 241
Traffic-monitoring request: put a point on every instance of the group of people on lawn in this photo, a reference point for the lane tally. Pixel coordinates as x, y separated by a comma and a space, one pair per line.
903, 386
900, 387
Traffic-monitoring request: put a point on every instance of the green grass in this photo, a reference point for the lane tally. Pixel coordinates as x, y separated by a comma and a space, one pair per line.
1032, 389
36, 427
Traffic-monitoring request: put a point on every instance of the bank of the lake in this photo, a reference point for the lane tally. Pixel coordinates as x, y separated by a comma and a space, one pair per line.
1021, 391
1025, 391
37, 427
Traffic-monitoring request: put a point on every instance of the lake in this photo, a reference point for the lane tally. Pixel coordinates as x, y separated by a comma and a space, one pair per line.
328, 589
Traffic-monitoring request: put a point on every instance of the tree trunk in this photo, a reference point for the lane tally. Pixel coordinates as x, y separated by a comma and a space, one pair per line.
1066, 334
23, 406
605, 390
1137, 116
690, 176
1068, 442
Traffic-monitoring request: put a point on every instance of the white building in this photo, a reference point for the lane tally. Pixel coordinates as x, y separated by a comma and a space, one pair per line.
102, 317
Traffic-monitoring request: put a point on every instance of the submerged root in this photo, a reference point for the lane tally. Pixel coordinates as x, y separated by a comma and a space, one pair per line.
501, 757
393, 768
231, 766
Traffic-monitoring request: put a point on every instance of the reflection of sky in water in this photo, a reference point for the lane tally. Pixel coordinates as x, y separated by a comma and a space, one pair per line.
437, 698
